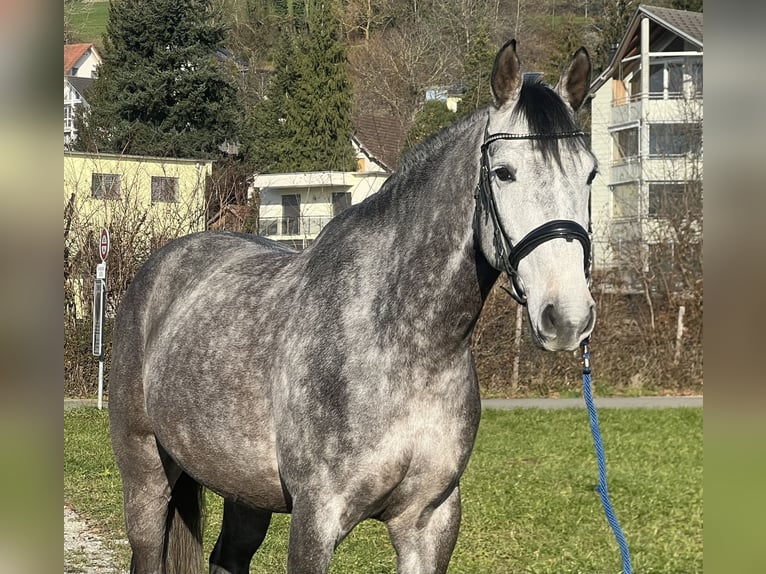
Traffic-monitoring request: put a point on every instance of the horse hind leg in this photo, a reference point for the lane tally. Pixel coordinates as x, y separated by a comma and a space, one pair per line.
243, 530
424, 541
163, 511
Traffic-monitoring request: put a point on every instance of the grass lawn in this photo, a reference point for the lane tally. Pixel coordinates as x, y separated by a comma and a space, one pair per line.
529, 503
88, 20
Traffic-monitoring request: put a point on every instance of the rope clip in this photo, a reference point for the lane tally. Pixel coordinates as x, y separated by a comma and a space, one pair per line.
585, 346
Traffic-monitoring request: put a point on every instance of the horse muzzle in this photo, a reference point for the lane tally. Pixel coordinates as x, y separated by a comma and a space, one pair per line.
561, 326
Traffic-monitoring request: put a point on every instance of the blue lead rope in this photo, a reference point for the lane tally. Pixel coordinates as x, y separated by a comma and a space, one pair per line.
602, 488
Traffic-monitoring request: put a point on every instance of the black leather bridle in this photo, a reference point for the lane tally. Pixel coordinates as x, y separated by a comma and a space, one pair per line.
509, 254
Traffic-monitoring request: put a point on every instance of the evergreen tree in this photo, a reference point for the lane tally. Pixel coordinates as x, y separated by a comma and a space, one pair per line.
690, 5
269, 141
434, 117
610, 25
305, 123
160, 91
477, 71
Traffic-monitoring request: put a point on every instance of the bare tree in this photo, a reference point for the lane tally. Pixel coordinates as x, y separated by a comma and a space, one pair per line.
392, 72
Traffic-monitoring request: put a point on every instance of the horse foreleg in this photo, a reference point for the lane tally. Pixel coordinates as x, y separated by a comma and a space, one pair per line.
243, 529
424, 541
315, 532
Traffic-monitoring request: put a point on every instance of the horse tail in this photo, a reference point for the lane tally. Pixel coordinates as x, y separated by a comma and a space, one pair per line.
183, 533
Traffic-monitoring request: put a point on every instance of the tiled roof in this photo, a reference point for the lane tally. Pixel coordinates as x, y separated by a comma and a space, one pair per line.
689, 24
72, 53
382, 136
80, 84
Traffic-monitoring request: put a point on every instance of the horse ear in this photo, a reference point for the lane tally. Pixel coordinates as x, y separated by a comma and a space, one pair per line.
575, 81
506, 75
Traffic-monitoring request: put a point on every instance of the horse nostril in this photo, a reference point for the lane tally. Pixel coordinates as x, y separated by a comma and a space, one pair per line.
591, 320
550, 318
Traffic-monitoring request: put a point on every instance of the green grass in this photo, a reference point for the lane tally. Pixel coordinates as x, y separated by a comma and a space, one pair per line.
529, 503
88, 20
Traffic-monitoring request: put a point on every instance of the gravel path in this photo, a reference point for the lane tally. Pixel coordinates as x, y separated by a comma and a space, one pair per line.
84, 549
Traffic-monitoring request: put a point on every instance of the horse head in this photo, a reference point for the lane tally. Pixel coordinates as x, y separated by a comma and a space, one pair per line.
533, 200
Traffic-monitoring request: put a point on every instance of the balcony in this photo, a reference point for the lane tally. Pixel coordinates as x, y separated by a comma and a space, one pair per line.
289, 227
627, 169
625, 111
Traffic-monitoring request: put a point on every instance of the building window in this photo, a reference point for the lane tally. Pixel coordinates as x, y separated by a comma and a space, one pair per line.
105, 186
666, 79
340, 202
675, 139
164, 189
625, 144
68, 116
666, 199
625, 200
291, 214
697, 76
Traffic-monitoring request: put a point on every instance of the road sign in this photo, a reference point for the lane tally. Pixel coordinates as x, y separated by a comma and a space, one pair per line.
103, 243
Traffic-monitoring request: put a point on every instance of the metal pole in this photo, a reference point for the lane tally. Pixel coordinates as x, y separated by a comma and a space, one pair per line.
517, 349
679, 334
100, 381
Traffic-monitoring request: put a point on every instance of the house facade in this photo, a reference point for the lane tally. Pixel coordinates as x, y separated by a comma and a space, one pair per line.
166, 195
143, 201
74, 90
81, 62
295, 207
647, 115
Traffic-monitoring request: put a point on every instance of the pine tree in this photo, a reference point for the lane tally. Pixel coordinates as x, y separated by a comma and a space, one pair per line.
305, 123
477, 70
611, 24
160, 91
434, 117
269, 141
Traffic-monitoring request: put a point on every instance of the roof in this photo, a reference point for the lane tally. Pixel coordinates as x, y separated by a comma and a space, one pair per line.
685, 24
72, 53
140, 158
382, 137
79, 84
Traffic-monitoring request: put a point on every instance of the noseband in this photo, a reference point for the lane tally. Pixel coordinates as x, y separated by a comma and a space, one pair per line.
509, 254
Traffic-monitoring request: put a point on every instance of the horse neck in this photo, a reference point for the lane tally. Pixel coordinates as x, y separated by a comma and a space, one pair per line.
434, 260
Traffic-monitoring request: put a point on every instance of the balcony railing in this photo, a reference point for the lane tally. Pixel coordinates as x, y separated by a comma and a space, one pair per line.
307, 226
627, 169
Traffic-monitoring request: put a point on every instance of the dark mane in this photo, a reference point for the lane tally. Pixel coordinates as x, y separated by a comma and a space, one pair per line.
434, 143
547, 114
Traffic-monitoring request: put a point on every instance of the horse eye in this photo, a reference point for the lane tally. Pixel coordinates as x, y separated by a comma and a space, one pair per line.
505, 174
592, 176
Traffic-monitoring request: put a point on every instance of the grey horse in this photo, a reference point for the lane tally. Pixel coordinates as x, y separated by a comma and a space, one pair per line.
337, 383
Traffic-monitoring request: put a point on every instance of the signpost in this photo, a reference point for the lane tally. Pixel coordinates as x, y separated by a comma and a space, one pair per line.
99, 293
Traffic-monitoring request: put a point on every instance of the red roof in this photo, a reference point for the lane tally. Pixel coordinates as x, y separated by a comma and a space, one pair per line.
72, 53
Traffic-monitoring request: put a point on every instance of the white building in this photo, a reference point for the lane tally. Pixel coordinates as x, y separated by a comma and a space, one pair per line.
81, 62
295, 207
647, 133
